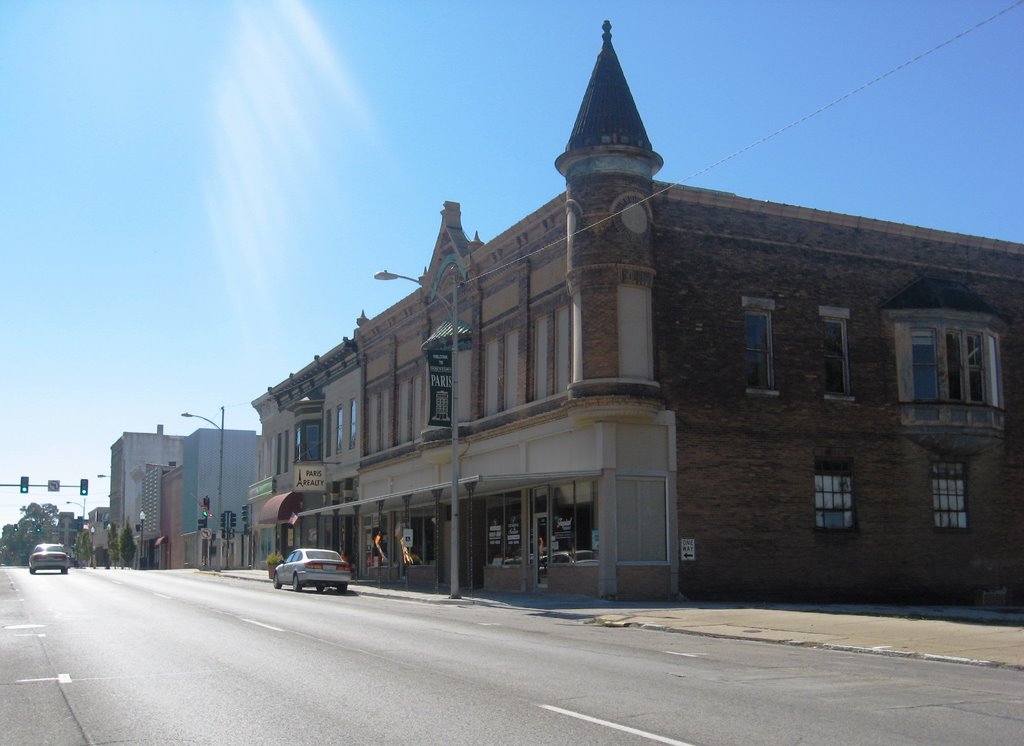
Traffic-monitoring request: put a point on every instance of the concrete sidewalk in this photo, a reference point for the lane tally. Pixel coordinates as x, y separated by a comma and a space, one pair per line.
959, 634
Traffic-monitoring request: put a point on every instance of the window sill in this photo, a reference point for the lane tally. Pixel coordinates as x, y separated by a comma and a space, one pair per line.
762, 392
839, 397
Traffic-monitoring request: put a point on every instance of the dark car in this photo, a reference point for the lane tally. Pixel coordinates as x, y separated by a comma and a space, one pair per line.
320, 568
49, 557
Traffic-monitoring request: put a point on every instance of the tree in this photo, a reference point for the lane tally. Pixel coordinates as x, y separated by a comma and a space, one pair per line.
36, 526
83, 548
114, 545
127, 545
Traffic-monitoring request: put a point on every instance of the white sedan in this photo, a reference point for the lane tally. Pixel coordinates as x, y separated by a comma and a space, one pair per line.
49, 557
320, 568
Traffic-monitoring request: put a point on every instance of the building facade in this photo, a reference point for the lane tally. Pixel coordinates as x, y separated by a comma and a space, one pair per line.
223, 478
309, 455
672, 391
130, 456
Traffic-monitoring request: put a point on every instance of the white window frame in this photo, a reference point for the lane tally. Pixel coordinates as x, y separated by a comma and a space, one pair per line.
763, 308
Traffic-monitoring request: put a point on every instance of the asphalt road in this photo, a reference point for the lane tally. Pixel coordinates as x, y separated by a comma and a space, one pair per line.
118, 656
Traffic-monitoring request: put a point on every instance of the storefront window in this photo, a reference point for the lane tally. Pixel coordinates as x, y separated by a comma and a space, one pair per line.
504, 530
423, 549
574, 538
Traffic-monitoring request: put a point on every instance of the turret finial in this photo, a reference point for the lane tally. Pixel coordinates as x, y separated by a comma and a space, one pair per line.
607, 35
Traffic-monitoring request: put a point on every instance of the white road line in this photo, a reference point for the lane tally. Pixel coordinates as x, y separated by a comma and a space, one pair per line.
684, 655
63, 678
160, 595
617, 726
261, 624
24, 626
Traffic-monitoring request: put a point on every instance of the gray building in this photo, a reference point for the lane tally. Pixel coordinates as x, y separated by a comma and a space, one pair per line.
202, 478
130, 458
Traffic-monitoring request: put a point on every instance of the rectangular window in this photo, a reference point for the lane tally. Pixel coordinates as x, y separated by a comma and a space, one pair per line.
573, 524
975, 368
385, 420
373, 422
307, 441
837, 374
758, 331
949, 495
340, 437
417, 406
491, 379
563, 350
540, 358
504, 530
511, 370
328, 441
925, 362
404, 413
352, 424
954, 366
833, 493
642, 520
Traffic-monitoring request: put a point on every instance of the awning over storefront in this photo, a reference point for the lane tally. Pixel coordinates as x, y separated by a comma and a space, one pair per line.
442, 336
279, 508
480, 485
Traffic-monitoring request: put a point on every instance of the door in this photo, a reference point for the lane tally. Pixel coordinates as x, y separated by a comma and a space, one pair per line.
540, 540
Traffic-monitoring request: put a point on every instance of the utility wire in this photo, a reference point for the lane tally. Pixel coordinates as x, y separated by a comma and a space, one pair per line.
766, 138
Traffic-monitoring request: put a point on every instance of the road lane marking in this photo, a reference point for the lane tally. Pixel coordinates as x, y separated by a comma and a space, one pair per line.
684, 655
616, 726
160, 595
24, 626
63, 678
261, 624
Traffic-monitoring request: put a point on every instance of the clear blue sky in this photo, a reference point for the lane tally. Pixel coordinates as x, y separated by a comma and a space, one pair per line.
194, 195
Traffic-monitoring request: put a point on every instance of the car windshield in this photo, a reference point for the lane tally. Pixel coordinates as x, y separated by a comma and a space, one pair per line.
48, 548
323, 554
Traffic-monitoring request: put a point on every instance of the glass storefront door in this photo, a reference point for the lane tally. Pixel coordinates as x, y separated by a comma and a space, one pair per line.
541, 541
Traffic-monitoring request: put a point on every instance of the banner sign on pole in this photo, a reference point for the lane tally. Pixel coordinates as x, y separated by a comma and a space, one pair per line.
439, 368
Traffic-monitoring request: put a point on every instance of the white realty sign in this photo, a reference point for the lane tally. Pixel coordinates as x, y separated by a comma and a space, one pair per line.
310, 478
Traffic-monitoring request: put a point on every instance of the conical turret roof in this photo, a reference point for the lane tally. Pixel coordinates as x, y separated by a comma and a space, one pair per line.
608, 115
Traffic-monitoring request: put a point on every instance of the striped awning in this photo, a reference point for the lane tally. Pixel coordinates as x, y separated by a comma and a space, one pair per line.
442, 336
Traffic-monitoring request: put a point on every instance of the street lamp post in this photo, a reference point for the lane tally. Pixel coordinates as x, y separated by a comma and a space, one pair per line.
454, 308
142, 535
220, 475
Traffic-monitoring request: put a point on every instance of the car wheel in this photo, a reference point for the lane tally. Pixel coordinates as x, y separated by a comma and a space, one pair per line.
31, 571
277, 581
296, 585
321, 588
343, 588
63, 571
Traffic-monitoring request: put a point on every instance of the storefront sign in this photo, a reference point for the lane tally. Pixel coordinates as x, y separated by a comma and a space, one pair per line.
439, 368
310, 478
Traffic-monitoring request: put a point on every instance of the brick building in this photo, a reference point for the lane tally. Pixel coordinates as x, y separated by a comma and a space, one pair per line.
669, 390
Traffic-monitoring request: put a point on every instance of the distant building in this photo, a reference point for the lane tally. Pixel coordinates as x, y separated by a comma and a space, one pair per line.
130, 457
201, 478
667, 390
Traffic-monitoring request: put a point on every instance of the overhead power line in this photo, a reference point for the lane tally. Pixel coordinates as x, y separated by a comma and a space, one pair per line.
771, 136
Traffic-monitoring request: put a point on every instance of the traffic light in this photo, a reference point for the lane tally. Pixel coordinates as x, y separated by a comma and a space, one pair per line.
224, 522
245, 517
24, 485
83, 487
204, 513
232, 519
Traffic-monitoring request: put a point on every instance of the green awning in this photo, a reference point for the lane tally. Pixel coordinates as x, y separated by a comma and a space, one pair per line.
442, 336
